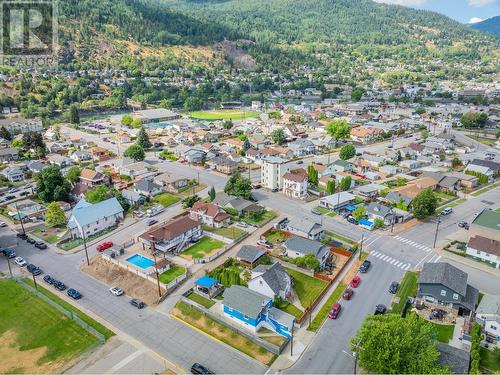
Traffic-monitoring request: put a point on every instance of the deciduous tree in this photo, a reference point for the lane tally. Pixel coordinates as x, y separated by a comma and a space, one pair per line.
359, 213
424, 204
338, 129
347, 152
54, 215
239, 186
135, 152
51, 185
278, 136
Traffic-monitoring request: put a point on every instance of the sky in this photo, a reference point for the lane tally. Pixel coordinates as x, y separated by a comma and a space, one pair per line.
465, 11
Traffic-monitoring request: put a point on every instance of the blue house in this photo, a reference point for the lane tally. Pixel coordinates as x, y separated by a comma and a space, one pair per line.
254, 310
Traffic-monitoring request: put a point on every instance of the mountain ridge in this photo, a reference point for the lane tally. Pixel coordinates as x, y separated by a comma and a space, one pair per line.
490, 25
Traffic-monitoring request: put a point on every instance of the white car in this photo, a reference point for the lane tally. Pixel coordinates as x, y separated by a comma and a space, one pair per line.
3, 224
116, 291
20, 261
242, 224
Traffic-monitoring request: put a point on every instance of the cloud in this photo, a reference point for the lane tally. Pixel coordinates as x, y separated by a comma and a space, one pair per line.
481, 3
408, 2
475, 20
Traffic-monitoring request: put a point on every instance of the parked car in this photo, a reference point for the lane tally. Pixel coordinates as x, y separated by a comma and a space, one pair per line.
352, 220
463, 224
30, 240
59, 285
393, 288
3, 224
151, 222
348, 294
41, 245
73, 293
22, 236
23, 193
9, 253
242, 224
196, 368
265, 243
365, 266
256, 186
380, 309
355, 281
20, 262
334, 311
35, 270
447, 211
116, 291
104, 245
137, 303
49, 279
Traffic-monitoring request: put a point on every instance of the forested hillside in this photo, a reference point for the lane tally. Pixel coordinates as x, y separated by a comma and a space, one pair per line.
491, 25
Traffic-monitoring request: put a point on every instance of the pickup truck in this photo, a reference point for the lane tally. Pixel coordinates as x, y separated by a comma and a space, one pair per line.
154, 211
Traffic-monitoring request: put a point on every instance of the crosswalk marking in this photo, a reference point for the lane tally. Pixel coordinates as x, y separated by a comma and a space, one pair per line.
390, 260
413, 243
437, 259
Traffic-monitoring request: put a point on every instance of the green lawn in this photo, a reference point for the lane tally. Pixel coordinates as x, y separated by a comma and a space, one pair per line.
307, 288
322, 210
203, 247
50, 238
489, 360
443, 197
498, 209
37, 325
444, 332
289, 308
276, 236
166, 199
71, 244
323, 312
205, 302
174, 272
265, 218
407, 288
339, 237
223, 115
452, 204
486, 189
228, 232
484, 140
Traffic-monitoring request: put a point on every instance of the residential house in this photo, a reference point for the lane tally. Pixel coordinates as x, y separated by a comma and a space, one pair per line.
369, 190
134, 169
480, 169
398, 198
78, 191
223, 164
254, 310
208, 287
171, 182
302, 147
292, 131
194, 156
91, 178
133, 198
147, 188
36, 166
337, 201
364, 134
305, 228
490, 164
99, 153
26, 209
173, 236
248, 255
379, 211
486, 224
295, 183
241, 205
80, 156
455, 359
271, 280
488, 315
8, 154
210, 214
18, 125
416, 186
298, 247
410, 164
465, 180
13, 174
60, 160
442, 284
342, 166
88, 219
484, 249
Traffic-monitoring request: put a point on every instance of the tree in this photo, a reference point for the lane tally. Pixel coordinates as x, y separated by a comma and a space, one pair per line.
278, 136
136, 123
73, 174
424, 134
345, 183
98, 194
190, 201
474, 119
5, 134
391, 344
456, 162
212, 194
127, 120
33, 140
338, 129
347, 152
357, 93
143, 139
54, 215
74, 114
312, 175
420, 111
135, 152
379, 222
330, 187
311, 262
238, 186
228, 124
424, 204
51, 185
359, 213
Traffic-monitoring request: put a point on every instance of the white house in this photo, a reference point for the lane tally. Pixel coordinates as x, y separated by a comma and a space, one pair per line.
88, 219
295, 184
488, 315
485, 249
272, 281
210, 214
337, 200
481, 169
305, 228
13, 174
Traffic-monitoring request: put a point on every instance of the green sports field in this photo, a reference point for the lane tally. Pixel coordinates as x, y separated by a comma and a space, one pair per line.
227, 114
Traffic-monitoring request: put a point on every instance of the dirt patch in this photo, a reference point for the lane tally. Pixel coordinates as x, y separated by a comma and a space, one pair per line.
352, 271
23, 361
113, 275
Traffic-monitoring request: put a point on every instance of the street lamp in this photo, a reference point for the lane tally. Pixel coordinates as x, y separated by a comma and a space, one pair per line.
354, 355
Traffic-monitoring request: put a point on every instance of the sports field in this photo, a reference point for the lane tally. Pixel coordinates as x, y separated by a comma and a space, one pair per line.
226, 114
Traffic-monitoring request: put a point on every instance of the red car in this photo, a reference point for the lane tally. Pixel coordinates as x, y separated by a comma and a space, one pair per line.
334, 312
348, 294
105, 245
355, 281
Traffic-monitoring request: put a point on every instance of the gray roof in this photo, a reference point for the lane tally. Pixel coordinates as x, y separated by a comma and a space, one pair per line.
244, 300
276, 278
457, 360
281, 316
471, 298
146, 185
250, 253
303, 225
8, 151
448, 181
486, 163
490, 305
444, 274
305, 246
378, 209
222, 199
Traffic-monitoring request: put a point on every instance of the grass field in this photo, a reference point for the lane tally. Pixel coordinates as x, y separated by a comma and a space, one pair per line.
339, 237
490, 360
444, 332
486, 189
276, 236
307, 288
322, 314
205, 302
484, 140
34, 336
228, 232
203, 247
407, 288
46, 236
166, 199
262, 220
228, 114
322, 210
174, 272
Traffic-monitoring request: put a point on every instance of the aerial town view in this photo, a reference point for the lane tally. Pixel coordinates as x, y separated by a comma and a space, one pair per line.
250, 187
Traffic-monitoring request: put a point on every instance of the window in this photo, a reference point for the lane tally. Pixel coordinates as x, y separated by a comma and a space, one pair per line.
455, 296
443, 292
493, 327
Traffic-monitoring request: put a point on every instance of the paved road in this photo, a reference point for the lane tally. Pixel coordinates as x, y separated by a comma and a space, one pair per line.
165, 335
325, 355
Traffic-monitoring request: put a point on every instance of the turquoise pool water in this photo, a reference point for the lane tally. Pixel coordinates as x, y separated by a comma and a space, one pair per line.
140, 261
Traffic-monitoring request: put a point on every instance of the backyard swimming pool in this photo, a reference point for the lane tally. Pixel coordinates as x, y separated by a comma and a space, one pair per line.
140, 261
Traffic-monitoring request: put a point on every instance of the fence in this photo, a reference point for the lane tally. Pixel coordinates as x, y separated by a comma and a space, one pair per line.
265, 344
69, 314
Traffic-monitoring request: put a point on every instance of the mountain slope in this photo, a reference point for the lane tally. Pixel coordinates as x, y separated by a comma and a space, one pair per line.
491, 25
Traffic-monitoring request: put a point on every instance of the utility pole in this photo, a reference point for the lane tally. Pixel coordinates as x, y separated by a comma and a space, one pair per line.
291, 343
34, 281
85, 246
361, 246
153, 248
10, 269
392, 223
20, 219
436, 234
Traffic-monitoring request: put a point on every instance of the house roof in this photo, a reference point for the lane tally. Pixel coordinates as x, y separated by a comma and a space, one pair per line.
244, 300
168, 178
171, 229
455, 359
303, 225
490, 305
305, 246
276, 277
206, 281
146, 185
249, 253
484, 244
444, 274
486, 163
296, 175
489, 219
211, 210
378, 209
85, 213
89, 174
339, 198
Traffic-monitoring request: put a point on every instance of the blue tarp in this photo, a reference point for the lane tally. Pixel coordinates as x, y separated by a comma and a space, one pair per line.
350, 207
206, 281
366, 222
